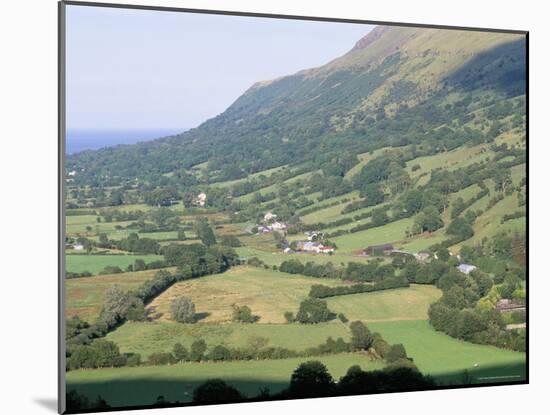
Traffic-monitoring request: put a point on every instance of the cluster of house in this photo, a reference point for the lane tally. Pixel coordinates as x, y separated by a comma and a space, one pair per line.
73, 244
200, 200
311, 247
422, 256
270, 224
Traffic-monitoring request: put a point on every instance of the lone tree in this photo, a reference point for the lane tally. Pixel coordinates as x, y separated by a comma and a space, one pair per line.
180, 352
198, 347
183, 310
243, 314
361, 337
311, 379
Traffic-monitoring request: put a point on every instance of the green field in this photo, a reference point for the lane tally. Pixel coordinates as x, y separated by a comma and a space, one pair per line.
96, 263
392, 232
268, 293
399, 304
435, 353
84, 296
446, 358
149, 337
142, 385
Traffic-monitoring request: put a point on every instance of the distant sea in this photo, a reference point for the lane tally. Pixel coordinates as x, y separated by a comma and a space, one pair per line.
80, 140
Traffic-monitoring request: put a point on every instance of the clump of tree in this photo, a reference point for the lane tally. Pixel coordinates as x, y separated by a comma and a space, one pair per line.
243, 314
100, 353
230, 240
311, 379
204, 232
183, 310
313, 311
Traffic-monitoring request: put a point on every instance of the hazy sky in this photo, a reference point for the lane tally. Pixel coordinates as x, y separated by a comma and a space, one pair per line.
135, 69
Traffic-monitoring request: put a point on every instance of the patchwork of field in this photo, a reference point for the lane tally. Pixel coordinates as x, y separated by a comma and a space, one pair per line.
142, 385
96, 263
268, 293
84, 296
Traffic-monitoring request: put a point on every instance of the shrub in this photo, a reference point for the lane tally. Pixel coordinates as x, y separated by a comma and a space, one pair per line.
342, 318
183, 310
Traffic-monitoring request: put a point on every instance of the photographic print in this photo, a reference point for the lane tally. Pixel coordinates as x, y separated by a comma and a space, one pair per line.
265, 207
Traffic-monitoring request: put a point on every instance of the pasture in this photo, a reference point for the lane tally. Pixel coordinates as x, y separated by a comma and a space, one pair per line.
391, 232
160, 336
268, 293
389, 305
95, 263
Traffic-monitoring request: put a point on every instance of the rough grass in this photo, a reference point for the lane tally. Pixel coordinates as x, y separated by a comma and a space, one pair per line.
160, 336
399, 304
96, 263
268, 293
142, 385
85, 296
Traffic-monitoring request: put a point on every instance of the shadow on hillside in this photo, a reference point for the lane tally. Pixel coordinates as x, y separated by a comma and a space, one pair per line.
502, 67
120, 393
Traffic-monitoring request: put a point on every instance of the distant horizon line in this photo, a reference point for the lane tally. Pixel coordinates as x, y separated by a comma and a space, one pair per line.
127, 128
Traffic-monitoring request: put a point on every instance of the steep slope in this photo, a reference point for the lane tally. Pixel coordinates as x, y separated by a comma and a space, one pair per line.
395, 83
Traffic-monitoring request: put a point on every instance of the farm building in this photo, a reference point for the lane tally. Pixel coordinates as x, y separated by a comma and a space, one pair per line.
200, 199
313, 247
269, 216
466, 268
313, 236
383, 249
398, 252
422, 256
78, 247
278, 226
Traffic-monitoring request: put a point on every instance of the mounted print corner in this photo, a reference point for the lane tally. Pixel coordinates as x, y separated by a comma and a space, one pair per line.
261, 207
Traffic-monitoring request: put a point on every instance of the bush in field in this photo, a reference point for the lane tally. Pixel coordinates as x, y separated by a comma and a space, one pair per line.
183, 310
120, 305
312, 311
289, 317
243, 314
180, 352
220, 353
198, 347
161, 358
342, 318
110, 269
361, 337
216, 391
230, 240
395, 353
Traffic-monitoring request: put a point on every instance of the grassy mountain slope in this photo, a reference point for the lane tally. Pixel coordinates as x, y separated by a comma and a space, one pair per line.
376, 93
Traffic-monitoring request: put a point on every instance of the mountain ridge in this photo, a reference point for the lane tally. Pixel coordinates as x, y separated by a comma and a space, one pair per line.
310, 114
